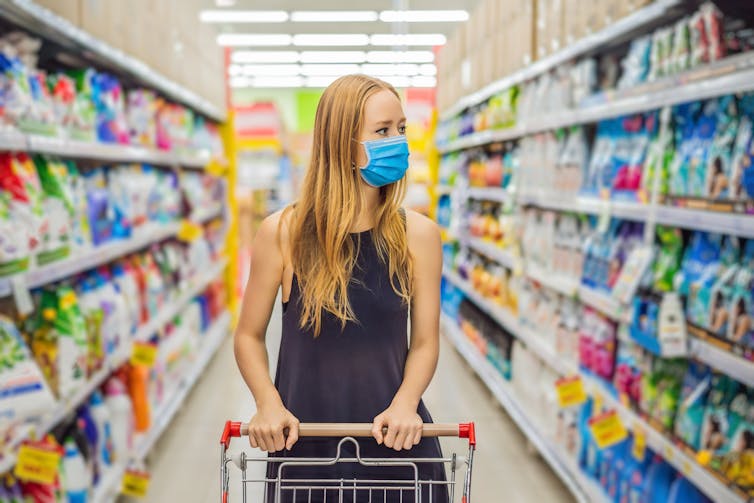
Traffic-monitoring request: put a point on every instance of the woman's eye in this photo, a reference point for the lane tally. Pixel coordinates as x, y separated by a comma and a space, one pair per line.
382, 131
402, 129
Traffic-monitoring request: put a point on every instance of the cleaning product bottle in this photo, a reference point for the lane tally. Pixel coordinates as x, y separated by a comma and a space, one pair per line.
87, 430
77, 479
659, 478
121, 417
101, 414
138, 388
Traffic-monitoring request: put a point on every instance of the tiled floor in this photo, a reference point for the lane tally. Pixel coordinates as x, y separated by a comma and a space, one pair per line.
185, 463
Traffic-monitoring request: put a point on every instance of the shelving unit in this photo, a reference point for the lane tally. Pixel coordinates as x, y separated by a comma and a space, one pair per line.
38, 20
490, 250
498, 195
711, 484
67, 405
735, 366
109, 486
583, 489
90, 258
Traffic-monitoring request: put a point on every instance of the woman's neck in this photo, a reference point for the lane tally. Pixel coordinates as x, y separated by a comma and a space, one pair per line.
370, 200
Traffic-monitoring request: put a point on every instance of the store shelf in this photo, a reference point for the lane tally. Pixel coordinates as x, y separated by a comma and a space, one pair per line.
492, 251
723, 360
84, 260
496, 194
604, 303
710, 221
589, 205
504, 317
42, 22
709, 483
442, 190
584, 489
622, 29
552, 280
112, 152
109, 486
69, 404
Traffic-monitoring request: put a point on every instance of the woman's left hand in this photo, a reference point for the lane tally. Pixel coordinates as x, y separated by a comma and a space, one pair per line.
404, 427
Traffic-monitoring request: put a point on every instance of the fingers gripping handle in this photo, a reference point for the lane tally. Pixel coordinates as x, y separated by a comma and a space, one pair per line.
463, 430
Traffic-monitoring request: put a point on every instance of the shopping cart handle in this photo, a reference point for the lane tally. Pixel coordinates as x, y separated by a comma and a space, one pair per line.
462, 430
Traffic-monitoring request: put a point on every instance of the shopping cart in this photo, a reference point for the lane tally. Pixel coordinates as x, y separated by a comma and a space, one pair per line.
355, 490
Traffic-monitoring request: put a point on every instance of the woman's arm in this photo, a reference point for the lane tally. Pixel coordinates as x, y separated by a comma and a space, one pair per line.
267, 266
401, 418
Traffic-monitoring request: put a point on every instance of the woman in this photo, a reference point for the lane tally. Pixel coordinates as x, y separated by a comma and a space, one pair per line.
350, 262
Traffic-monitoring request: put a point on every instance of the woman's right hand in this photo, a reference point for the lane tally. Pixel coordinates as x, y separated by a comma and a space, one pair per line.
268, 428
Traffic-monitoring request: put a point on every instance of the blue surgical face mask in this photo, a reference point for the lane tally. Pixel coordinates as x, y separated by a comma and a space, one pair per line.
387, 160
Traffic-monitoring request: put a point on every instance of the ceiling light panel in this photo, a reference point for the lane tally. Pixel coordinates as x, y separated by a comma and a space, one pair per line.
381, 69
274, 82
320, 81
423, 81
264, 57
391, 39
428, 70
332, 56
424, 16
326, 39
271, 70
328, 70
243, 16
334, 16
400, 56
252, 40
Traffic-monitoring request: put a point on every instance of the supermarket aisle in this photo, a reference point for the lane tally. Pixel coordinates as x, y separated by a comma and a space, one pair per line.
185, 465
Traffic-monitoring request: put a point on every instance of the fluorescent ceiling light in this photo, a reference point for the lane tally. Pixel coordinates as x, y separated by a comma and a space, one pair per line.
272, 82
264, 57
225, 3
334, 16
397, 70
235, 70
320, 81
243, 16
248, 39
334, 39
333, 56
329, 70
270, 70
423, 16
428, 69
397, 80
423, 82
400, 56
240, 82
411, 39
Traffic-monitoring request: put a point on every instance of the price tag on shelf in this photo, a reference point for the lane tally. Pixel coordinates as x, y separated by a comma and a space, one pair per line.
607, 429
639, 448
597, 402
668, 453
189, 231
603, 220
21, 295
570, 391
143, 353
37, 462
135, 484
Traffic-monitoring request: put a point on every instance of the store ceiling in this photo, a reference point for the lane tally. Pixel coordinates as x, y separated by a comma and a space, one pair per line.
232, 32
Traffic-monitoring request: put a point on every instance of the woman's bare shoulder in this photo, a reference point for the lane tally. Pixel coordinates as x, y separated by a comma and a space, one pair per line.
422, 232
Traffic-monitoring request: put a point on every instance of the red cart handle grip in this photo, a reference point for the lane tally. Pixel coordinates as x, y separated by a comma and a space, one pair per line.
462, 430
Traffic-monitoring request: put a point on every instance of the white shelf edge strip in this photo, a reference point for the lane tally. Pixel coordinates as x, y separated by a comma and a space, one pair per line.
117, 58
67, 405
733, 365
492, 251
669, 94
214, 337
700, 476
575, 480
620, 28
497, 194
90, 258
15, 140
498, 313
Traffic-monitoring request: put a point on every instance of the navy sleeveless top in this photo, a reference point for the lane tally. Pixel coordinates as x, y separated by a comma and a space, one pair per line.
350, 375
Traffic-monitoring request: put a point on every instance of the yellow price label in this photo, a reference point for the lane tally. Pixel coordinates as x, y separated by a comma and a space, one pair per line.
669, 453
37, 463
135, 484
598, 402
143, 353
216, 168
686, 468
607, 429
639, 449
189, 231
570, 391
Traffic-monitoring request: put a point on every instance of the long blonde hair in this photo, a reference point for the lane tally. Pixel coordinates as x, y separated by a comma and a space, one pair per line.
322, 250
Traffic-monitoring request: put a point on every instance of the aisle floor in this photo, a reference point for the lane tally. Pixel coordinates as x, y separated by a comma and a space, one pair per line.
185, 462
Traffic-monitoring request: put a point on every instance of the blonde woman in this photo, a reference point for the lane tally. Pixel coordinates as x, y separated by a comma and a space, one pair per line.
350, 262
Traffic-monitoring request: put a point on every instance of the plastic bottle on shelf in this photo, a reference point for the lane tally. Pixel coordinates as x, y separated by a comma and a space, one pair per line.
102, 418
121, 417
76, 478
138, 388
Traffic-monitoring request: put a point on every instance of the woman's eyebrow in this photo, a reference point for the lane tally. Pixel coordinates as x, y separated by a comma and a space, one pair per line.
383, 123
